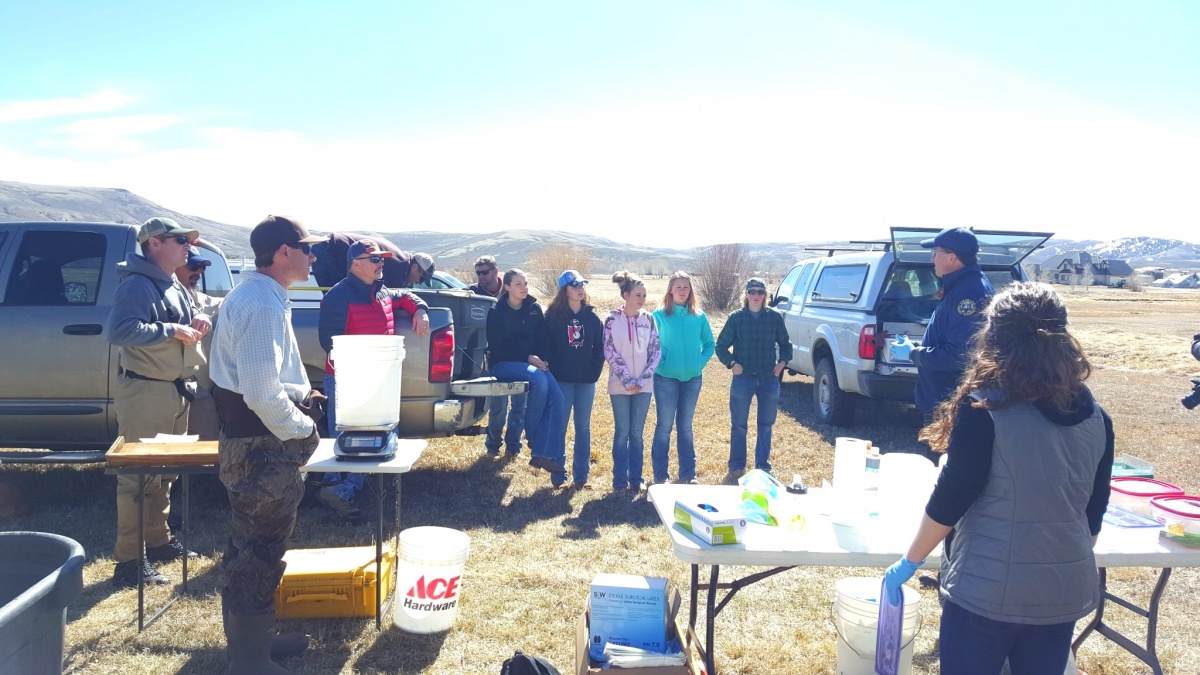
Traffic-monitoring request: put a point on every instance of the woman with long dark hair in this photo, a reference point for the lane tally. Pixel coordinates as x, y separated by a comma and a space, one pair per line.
575, 349
1025, 488
516, 334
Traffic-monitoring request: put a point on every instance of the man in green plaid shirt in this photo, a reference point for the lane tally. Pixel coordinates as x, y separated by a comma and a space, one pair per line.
754, 344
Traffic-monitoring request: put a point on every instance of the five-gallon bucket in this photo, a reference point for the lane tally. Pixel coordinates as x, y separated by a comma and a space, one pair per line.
429, 583
40, 574
856, 618
368, 370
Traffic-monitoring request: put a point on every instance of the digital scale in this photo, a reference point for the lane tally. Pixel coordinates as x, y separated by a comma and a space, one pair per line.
377, 444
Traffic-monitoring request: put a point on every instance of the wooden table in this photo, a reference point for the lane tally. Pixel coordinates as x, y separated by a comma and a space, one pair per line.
160, 459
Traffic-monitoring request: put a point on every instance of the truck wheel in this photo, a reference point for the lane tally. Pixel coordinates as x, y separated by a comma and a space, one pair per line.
833, 405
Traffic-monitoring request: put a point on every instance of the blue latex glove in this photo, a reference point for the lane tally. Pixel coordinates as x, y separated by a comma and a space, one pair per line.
901, 571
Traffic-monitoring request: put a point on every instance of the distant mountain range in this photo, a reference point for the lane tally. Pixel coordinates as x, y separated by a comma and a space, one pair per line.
22, 201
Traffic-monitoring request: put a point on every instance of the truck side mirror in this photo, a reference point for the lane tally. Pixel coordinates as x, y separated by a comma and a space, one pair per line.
775, 300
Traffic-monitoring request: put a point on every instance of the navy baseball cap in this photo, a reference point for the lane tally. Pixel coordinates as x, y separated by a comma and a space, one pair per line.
195, 259
958, 239
571, 278
365, 247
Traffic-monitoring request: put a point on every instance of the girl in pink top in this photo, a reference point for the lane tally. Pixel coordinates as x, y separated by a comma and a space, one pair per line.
632, 351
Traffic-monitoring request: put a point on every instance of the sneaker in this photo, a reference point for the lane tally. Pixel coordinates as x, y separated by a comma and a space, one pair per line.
347, 510
125, 575
686, 481
732, 477
581, 485
172, 550
547, 464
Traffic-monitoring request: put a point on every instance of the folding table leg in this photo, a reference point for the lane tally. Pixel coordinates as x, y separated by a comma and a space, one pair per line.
710, 665
378, 551
184, 534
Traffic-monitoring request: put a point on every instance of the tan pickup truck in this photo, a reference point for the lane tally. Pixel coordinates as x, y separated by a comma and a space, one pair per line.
57, 284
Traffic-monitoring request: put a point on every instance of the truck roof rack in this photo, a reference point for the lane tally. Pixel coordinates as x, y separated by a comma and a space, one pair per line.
853, 246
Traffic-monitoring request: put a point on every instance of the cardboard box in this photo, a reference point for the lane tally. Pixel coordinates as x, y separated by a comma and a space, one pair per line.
331, 582
712, 524
630, 610
691, 648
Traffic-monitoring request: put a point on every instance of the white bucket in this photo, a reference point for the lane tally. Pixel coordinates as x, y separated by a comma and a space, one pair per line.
369, 369
429, 584
856, 618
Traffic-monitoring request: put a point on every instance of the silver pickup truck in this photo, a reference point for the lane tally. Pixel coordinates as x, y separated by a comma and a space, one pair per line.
841, 309
57, 284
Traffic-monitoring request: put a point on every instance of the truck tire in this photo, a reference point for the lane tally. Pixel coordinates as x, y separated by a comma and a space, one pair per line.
833, 406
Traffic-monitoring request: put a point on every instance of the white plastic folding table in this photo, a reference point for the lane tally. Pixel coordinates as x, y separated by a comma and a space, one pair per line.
823, 544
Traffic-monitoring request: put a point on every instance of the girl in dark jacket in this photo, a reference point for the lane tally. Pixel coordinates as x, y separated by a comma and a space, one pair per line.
1025, 488
575, 349
516, 334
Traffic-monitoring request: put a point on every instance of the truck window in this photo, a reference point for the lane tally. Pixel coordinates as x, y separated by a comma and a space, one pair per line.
805, 274
784, 293
909, 294
56, 268
841, 283
216, 280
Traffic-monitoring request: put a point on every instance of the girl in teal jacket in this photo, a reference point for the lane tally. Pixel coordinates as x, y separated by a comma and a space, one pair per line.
687, 345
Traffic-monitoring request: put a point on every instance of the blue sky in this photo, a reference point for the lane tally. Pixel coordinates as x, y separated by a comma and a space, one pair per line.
666, 122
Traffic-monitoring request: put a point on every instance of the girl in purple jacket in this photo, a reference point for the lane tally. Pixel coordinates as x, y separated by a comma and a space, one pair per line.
632, 351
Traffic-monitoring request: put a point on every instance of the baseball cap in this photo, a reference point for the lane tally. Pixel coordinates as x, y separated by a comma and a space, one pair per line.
194, 258
425, 262
958, 239
571, 278
365, 247
276, 230
161, 227
755, 282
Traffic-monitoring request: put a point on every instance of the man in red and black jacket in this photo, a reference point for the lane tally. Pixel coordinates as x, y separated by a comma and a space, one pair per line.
360, 305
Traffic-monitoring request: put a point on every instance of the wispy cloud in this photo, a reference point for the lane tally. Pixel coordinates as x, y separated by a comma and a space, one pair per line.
114, 134
105, 100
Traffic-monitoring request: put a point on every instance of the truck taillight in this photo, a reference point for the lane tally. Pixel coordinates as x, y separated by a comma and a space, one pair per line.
441, 355
866, 343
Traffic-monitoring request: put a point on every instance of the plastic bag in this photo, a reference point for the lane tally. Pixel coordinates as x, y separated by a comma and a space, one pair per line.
764, 501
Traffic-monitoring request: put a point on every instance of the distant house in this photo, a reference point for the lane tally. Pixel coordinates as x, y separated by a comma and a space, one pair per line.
1179, 280
1076, 267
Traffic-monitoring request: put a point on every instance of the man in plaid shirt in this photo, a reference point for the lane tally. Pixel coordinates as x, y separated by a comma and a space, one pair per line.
753, 344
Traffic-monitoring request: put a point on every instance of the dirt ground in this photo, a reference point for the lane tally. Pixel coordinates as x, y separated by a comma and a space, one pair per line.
535, 550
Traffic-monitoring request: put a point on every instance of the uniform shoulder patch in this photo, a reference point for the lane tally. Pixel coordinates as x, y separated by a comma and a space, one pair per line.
967, 307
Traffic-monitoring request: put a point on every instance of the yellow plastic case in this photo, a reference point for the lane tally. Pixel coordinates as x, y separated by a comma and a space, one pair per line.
331, 582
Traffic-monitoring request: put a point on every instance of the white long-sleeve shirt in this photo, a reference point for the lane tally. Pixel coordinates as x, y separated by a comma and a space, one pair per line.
254, 353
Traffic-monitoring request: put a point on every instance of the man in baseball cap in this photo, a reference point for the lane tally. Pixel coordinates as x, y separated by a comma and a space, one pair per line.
276, 231
966, 291
164, 227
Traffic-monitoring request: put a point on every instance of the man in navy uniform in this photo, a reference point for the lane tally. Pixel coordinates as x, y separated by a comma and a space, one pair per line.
942, 356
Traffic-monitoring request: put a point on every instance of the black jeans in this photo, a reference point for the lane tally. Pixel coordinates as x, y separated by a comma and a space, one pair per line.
970, 644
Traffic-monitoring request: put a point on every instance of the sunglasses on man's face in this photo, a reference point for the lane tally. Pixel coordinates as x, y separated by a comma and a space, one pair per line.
756, 291
374, 259
306, 249
483, 273
179, 239
195, 268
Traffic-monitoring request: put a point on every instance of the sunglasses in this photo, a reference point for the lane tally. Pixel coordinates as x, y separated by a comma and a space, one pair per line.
375, 259
306, 249
196, 268
756, 291
484, 273
179, 239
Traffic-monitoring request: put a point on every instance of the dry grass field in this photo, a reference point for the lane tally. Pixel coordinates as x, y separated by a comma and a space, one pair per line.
534, 550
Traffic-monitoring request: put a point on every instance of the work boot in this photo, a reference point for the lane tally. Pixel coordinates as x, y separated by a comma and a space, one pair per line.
172, 550
732, 477
125, 575
346, 509
283, 645
249, 644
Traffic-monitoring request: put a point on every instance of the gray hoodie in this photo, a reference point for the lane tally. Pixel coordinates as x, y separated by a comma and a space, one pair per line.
148, 305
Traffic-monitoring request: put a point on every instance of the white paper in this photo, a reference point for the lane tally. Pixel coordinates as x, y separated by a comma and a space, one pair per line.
171, 438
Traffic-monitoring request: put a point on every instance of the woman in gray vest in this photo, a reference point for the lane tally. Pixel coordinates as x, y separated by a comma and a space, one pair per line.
1024, 488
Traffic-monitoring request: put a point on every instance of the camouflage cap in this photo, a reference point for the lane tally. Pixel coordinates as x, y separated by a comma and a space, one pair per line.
161, 227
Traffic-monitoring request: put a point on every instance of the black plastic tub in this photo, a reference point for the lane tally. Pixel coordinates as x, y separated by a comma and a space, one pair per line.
40, 574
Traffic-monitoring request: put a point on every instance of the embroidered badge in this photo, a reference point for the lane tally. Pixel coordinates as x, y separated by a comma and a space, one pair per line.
966, 307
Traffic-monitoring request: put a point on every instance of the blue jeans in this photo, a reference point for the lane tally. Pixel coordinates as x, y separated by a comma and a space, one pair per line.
629, 422
544, 425
744, 388
579, 397
352, 482
498, 407
971, 643
675, 401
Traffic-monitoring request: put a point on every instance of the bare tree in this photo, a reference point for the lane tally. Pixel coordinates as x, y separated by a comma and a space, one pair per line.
720, 271
548, 262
